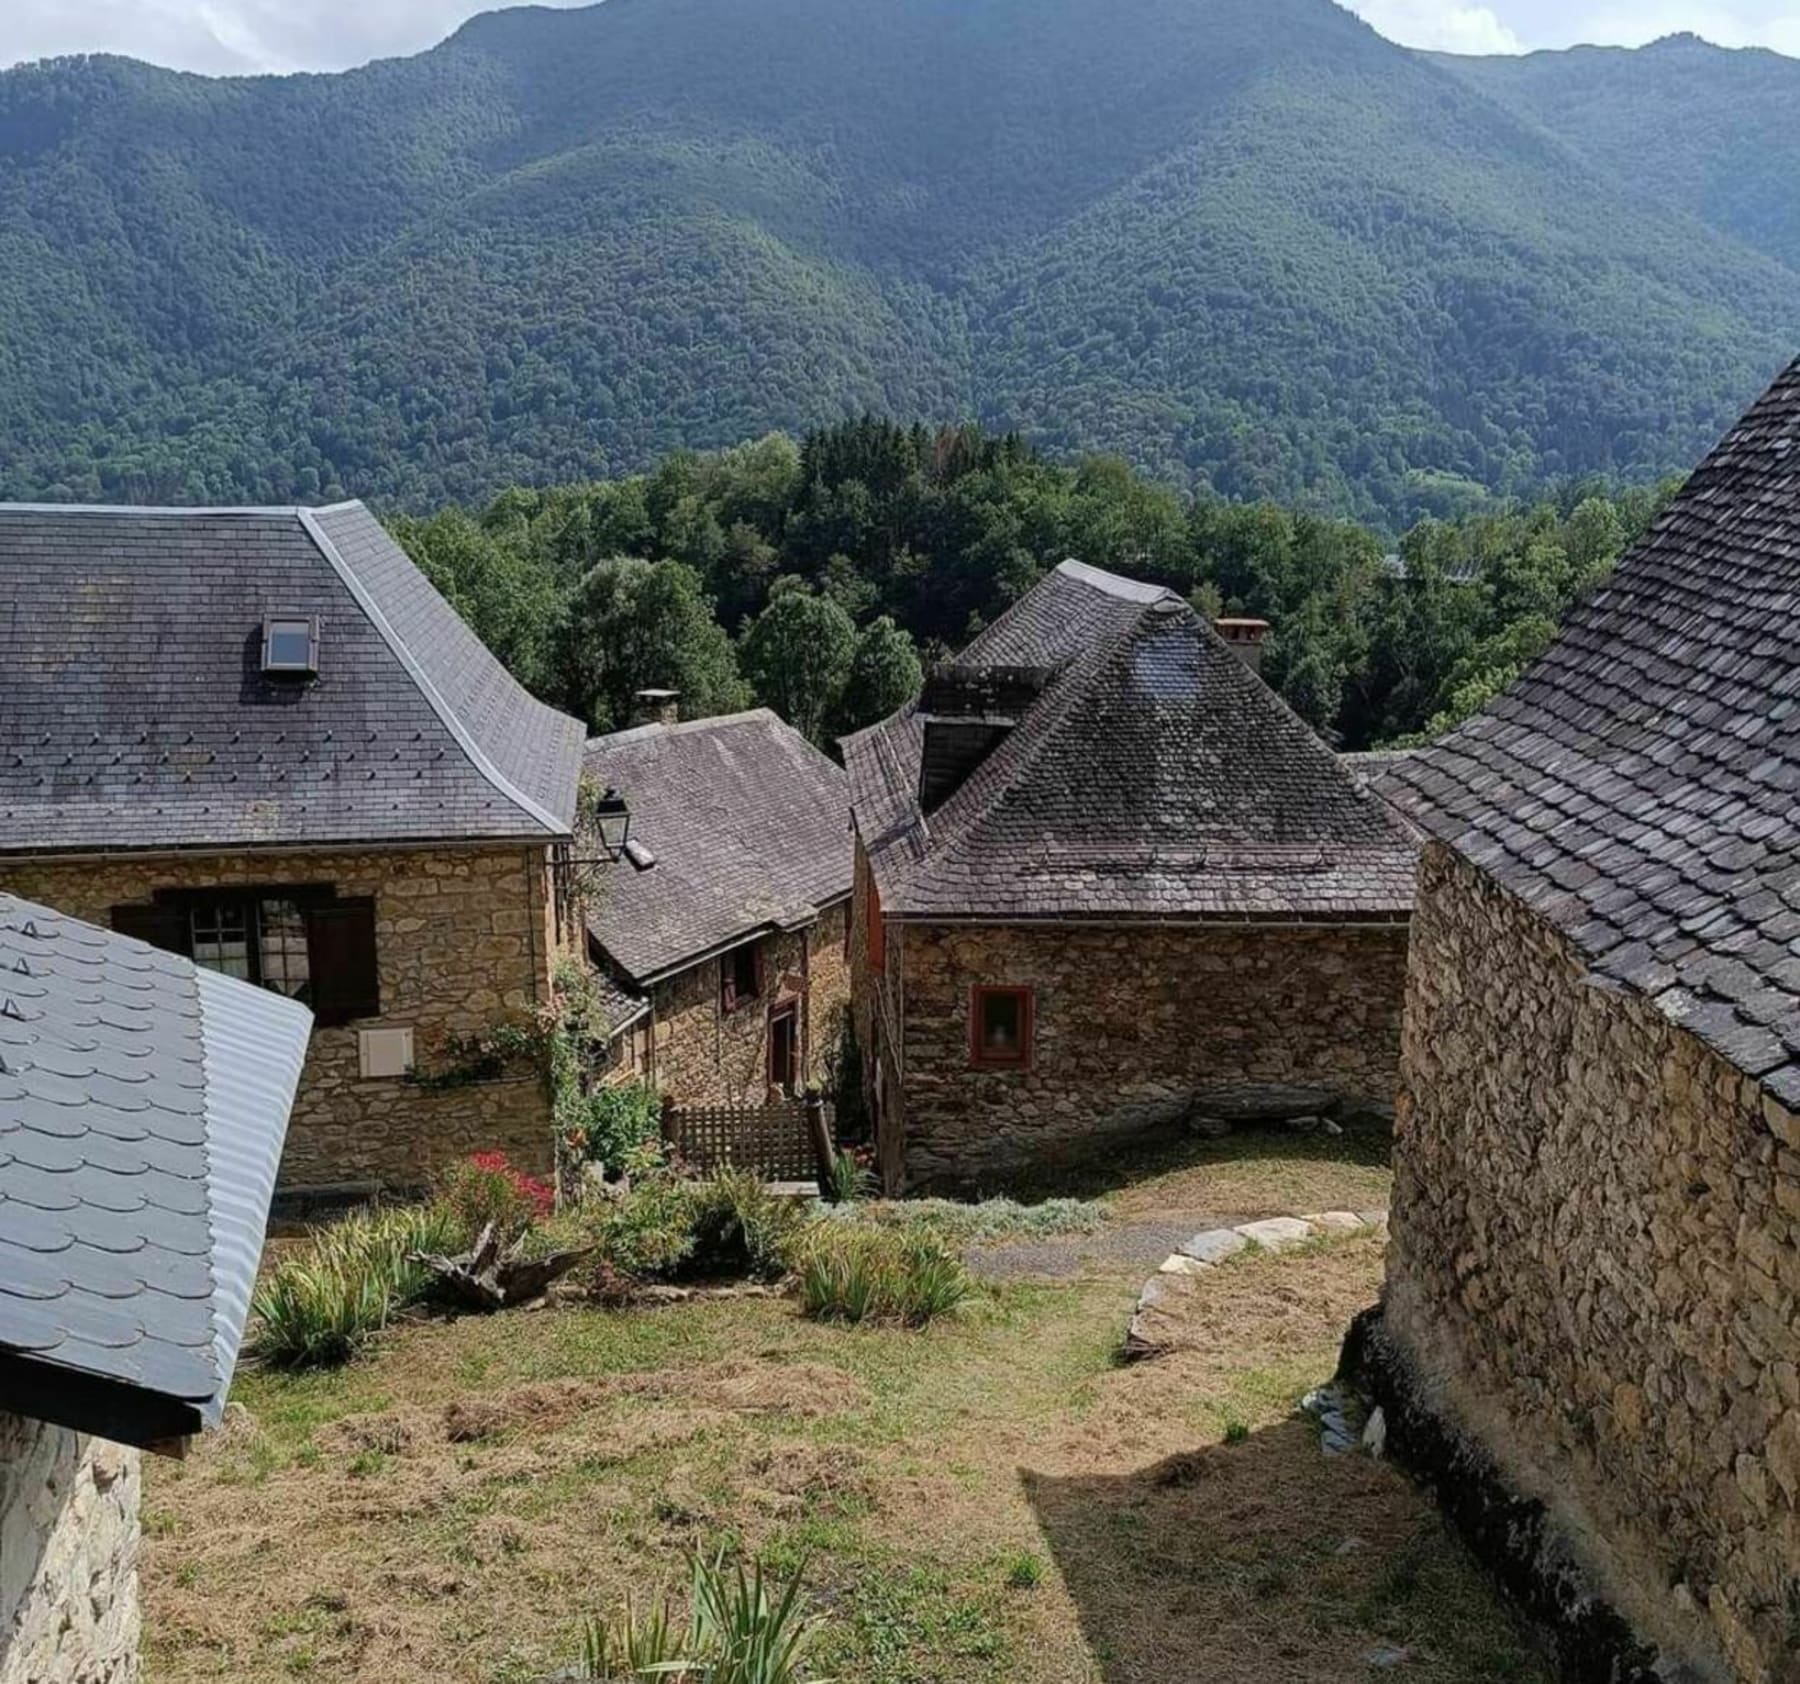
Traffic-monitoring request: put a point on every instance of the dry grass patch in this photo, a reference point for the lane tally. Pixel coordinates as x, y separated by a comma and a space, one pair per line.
993, 1501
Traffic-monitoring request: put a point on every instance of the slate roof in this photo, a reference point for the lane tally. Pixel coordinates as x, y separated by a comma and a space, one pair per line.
143, 1106
1151, 775
1638, 786
135, 713
750, 828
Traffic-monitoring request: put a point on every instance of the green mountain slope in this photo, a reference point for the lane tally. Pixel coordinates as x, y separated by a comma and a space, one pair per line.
1246, 242
1710, 131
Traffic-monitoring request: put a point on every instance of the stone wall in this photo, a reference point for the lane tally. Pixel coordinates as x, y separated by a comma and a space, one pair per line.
464, 940
705, 1055
1595, 1264
68, 1556
1134, 1026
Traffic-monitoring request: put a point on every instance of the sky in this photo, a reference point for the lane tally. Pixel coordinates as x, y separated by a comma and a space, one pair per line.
234, 36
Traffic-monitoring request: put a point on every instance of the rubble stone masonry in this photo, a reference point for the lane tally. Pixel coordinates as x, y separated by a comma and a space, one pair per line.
68, 1556
465, 939
1595, 1269
705, 1055
1135, 1025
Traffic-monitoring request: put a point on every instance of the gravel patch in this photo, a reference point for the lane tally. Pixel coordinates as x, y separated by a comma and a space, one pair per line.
1123, 1242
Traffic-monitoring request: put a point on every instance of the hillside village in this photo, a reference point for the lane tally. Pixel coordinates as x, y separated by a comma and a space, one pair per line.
899, 842
609, 1071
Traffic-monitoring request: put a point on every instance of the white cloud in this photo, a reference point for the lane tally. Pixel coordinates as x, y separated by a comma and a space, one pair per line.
1439, 25
1632, 23
233, 36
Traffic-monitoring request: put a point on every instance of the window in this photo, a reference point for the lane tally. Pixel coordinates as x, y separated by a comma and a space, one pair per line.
290, 644
257, 939
302, 941
784, 1048
741, 975
1000, 1028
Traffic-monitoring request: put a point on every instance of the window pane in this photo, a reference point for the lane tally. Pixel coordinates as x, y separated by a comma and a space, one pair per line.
743, 972
1002, 1025
290, 643
221, 938
281, 946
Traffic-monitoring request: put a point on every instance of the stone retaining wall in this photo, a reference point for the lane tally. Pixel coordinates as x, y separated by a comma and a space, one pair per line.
464, 937
1134, 1026
68, 1556
1594, 1267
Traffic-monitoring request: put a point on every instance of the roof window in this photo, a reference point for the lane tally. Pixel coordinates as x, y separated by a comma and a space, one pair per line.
639, 855
290, 644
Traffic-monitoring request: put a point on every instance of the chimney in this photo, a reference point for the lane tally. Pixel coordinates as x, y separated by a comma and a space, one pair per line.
1246, 640
656, 707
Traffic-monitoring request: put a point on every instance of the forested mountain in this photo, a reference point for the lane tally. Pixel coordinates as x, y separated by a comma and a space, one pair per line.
1714, 133
1247, 243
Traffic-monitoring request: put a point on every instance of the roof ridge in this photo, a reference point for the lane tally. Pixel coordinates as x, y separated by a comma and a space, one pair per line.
472, 750
165, 511
1113, 584
686, 727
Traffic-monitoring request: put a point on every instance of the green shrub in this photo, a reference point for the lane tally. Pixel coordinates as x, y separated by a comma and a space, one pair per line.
852, 1180
320, 1306
740, 1228
742, 1628
645, 1233
858, 1273
617, 1123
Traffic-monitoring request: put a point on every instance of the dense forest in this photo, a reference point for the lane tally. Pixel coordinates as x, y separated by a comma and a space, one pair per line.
1247, 245
819, 578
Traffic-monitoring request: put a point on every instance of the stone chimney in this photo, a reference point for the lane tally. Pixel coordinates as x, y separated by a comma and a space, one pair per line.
1246, 640
656, 707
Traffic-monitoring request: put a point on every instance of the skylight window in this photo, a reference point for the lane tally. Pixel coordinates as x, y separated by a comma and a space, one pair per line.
290, 644
639, 855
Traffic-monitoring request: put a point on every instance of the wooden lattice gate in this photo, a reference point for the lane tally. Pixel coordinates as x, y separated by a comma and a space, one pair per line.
779, 1142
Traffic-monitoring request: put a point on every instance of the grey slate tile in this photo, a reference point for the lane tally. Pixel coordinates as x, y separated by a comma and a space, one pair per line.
1150, 775
120, 1124
750, 828
1691, 757
135, 711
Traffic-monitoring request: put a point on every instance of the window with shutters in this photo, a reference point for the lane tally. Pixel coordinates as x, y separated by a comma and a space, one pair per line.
302, 941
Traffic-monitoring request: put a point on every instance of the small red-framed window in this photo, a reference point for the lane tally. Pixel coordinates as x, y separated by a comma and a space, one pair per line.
1000, 1027
877, 930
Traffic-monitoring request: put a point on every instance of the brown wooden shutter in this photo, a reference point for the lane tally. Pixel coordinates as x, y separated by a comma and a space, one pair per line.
340, 944
162, 925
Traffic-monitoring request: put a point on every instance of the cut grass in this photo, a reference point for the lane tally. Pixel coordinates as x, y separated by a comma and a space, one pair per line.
991, 1500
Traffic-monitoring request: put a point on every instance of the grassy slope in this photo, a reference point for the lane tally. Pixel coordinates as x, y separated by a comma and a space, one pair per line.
992, 1500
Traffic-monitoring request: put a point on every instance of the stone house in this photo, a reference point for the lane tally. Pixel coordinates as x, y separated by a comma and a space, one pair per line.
723, 928
1105, 878
1593, 1293
142, 1108
259, 738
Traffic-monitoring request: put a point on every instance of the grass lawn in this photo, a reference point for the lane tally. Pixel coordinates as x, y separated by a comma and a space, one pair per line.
992, 1499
